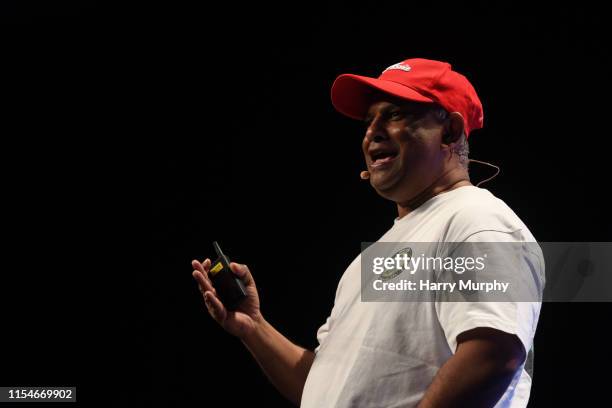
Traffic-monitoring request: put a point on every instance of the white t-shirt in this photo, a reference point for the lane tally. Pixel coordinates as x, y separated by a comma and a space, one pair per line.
386, 354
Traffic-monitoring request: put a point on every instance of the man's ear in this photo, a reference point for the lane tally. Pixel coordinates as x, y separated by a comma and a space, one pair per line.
453, 128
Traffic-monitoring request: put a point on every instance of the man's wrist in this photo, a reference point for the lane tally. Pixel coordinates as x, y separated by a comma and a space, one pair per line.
256, 330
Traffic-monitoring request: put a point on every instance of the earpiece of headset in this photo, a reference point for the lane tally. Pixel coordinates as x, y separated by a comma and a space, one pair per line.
448, 138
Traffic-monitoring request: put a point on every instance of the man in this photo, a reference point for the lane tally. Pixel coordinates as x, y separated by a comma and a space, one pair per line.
419, 114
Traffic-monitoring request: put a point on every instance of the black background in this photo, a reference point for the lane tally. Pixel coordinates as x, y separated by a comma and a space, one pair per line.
134, 138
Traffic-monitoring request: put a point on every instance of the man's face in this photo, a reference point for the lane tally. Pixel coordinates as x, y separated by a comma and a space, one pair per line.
402, 148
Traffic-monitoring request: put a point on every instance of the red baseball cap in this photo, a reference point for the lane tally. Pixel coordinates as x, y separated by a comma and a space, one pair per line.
416, 79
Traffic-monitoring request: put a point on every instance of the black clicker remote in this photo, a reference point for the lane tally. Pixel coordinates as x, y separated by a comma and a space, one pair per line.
230, 288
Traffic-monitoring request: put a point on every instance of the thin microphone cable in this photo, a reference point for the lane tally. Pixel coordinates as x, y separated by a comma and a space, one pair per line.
487, 164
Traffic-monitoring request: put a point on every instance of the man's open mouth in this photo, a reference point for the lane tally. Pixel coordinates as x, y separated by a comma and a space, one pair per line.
382, 157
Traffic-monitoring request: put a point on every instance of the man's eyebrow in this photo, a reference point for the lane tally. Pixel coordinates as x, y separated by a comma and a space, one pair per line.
384, 111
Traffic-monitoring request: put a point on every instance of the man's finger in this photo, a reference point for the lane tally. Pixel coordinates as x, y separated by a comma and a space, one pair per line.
196, 265
215, 307
203, 282
201, 266
242, 271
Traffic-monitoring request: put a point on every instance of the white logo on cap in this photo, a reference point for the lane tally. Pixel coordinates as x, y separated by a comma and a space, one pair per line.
400, 66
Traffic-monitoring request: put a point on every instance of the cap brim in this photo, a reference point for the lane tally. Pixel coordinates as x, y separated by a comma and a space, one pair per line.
352, 94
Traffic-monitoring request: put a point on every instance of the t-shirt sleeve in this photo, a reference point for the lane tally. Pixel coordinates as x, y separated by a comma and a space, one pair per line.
519, 315
322, 333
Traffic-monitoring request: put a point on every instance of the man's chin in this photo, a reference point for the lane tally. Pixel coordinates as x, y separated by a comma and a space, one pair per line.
393, 186
383, 183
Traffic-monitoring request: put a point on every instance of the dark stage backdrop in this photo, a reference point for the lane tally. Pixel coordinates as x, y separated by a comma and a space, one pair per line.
137, 139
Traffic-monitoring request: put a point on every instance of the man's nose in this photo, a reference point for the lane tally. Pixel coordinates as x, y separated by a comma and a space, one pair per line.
376, 131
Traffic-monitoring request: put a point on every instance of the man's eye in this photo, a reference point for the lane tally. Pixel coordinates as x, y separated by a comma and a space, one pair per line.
396, 115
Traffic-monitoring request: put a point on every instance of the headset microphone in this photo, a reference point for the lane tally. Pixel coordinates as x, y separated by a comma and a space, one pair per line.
364, 175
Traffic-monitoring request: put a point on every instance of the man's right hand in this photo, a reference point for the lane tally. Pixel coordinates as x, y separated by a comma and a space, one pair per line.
285, 363
240, 322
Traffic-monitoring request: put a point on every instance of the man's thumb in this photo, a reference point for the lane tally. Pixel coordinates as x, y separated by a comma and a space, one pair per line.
242, 271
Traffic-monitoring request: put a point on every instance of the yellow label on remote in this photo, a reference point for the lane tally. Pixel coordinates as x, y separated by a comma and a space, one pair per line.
216, 268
